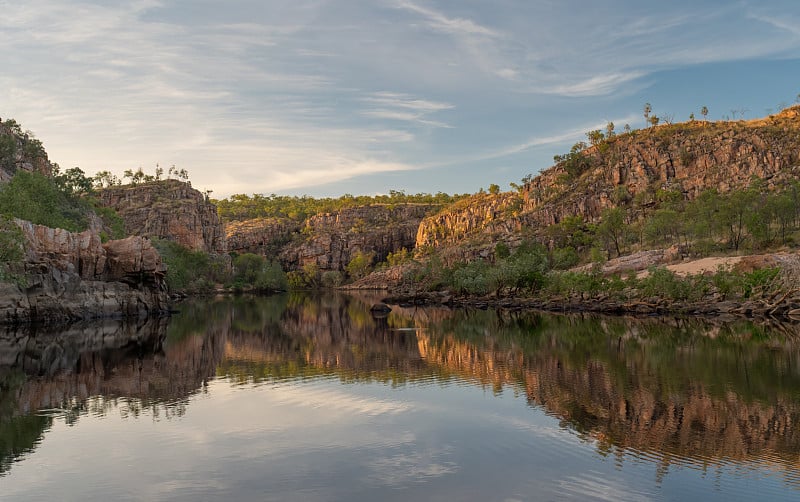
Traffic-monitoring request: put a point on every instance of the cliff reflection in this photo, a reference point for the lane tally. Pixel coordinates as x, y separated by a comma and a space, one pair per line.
672, 391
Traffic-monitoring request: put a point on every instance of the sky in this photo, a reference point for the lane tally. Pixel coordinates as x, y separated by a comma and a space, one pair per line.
331, 97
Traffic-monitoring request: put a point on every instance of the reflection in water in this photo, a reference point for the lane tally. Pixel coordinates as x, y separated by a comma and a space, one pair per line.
668, 391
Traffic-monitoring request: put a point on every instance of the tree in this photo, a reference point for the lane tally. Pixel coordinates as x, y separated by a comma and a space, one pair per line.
647, 110
74, 181
613, 228
360, 265
595, 137
8, 153
704, 112
691, 117
654, 120
105, 179
494, 189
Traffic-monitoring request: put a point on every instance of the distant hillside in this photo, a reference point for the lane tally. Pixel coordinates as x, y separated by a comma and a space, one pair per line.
634, 171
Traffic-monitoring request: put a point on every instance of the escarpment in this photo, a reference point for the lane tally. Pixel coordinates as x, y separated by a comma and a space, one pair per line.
629, 169
265, 236
68, 276
331, 240
168, 209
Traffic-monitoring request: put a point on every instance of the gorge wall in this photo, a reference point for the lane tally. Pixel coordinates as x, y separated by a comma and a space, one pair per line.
687, 157
331, 240
169, 209
69, 276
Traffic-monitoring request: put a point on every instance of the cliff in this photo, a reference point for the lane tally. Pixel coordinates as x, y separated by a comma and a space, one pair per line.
169, 209
688, 158
264, 236
331, 240
71, 276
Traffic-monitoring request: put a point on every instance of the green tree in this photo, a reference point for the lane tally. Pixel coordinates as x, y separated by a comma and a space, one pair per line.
704, 112
494, 189
613, 229
39, 199
8, 153
360, 265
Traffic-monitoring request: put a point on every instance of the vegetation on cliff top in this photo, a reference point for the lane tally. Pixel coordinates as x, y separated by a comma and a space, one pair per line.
246, 207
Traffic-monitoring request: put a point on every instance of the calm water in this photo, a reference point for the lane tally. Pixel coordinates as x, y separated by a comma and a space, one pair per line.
311, 398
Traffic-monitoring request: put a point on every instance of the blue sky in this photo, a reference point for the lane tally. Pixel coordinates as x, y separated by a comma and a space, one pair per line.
363, 96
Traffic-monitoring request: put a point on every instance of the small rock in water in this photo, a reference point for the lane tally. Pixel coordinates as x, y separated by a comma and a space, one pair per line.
380, 307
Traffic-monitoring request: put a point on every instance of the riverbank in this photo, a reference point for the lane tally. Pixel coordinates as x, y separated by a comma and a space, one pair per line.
787, 309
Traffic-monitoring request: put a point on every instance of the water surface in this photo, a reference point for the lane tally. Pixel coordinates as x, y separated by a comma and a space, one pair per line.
297, 397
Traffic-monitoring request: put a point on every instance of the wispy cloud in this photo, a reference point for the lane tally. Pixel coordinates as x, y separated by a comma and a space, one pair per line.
402, 107
288, 95
450, 25
597, 85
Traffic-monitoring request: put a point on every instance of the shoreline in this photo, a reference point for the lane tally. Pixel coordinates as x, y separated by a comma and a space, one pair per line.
787, 311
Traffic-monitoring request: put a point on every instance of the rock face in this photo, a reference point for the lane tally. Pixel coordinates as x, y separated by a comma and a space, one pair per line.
169, 209
688, 158
482, 213
331, 240
264, 236
71, 276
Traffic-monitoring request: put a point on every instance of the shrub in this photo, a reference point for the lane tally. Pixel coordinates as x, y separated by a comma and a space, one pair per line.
564, 258
37, 198
12, 251
399, 257
471, 278
332, 279
360, 265
190, 271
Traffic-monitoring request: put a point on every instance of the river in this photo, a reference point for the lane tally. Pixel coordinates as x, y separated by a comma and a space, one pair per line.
310, 397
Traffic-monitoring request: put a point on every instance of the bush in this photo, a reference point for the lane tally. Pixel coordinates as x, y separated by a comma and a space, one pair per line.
360, 265
190, 271
332, 279
399, 257
471, 278
564, 258
254, 271
38, 199
12, 252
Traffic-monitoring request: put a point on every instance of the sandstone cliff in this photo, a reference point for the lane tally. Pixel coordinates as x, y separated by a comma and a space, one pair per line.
331, 240
687, 157
169, 209
264, 236
69, 276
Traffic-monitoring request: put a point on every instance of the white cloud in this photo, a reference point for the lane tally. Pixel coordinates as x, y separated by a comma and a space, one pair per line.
597, 85
289, 94
449, 25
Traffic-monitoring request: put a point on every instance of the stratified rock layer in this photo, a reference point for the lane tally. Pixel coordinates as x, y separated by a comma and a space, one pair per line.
70, 276
331, 240
689, 158
169, 209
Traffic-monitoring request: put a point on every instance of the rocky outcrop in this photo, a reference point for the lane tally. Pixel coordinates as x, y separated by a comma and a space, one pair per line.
331, 240
169, 209
20, 151
688, 157
70, 276
629, 169
491, 214
264, 236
